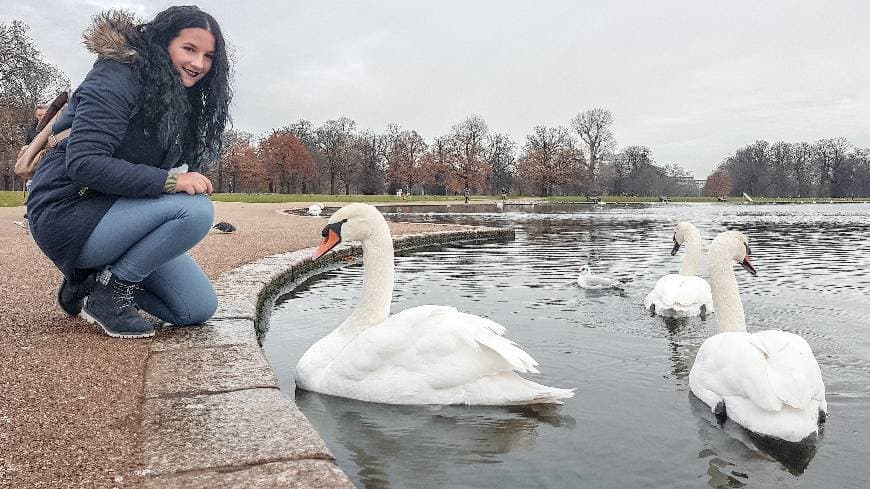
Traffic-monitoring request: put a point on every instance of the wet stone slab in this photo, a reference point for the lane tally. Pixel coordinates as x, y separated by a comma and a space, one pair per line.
204, 370
303, 474
233, 429
217, 332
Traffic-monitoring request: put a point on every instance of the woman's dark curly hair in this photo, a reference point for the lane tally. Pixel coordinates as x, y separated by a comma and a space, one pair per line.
197, 115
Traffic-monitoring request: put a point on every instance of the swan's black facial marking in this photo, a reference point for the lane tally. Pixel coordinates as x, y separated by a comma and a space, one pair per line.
747, 265
676, 247
331, 237
703, 312
335, 227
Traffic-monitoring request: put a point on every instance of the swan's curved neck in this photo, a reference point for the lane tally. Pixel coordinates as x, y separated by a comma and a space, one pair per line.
692, 258
726, 298
377, 289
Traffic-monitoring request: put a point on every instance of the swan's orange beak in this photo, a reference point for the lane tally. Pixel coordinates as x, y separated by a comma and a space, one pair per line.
332, 238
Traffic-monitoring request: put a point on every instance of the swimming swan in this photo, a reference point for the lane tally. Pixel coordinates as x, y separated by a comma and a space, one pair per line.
768, 382
315, 209
684, 294
422, 355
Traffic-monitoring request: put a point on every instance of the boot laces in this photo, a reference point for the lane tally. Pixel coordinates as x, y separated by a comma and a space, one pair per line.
124, 294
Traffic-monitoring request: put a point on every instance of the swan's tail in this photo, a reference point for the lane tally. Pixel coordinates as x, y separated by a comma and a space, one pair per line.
509, 389
550, 395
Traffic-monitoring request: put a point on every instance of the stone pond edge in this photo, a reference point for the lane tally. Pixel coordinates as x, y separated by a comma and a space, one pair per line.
212, 409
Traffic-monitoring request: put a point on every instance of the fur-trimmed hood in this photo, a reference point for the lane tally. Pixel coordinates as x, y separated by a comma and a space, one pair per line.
106, 36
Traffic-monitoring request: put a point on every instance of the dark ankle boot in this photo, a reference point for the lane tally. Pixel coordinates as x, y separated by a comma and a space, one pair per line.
111, 305
71, 296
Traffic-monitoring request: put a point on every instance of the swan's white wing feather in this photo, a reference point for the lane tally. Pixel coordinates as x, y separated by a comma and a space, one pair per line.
436, 345
792, 369
680, 295
770, 381
729, 364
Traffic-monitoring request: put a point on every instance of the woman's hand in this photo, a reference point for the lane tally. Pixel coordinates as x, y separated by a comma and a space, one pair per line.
193, 183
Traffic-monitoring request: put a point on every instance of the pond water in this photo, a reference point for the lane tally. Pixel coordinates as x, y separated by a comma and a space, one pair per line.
632, 422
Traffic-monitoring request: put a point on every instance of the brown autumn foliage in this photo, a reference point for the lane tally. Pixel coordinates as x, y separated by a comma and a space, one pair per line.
405, 153
546, 169
241, 170
718, 184
288, 164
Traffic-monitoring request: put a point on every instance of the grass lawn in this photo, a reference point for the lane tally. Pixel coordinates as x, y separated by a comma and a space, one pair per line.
16, 198
11, 198
270, 198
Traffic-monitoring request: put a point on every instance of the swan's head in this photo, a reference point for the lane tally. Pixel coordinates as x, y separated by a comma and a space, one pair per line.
735, 245
682, 233
353, 222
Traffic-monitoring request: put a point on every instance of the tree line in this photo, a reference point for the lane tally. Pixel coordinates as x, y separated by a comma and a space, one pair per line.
338, 158
827, 168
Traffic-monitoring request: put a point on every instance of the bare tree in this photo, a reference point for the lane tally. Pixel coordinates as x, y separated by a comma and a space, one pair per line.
802, 168
499, 153
467, 141
550, 158
334, 138
403, 150
781, 167
830, 158
26, 79
436, 168
367, 149
593, 127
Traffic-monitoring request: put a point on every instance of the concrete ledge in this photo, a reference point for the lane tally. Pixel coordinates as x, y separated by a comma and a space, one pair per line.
213, 415
302, 474
233, 429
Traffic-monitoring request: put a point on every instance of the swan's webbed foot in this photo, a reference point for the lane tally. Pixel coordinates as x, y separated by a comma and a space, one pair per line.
719, 411
703, 312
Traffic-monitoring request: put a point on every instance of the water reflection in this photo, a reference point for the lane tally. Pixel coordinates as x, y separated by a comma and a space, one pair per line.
735, 454
415, 446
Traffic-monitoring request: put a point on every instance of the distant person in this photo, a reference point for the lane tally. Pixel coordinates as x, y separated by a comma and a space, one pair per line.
117, 205
467, 193
503, 194
30, 133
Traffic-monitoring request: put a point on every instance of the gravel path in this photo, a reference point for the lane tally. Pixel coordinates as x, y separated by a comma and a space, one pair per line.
70, 396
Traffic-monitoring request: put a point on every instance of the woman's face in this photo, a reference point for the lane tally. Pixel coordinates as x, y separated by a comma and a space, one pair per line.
191, 53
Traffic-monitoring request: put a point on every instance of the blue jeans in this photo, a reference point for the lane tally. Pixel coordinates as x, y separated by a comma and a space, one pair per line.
146, 241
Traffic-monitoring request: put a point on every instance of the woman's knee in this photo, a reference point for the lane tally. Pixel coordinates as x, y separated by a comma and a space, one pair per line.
199, 311
198, 212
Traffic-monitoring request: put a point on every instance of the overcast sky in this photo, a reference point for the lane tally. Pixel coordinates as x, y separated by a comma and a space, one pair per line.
691, 80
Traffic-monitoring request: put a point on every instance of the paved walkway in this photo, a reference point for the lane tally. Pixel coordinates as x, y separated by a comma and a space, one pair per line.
80, 409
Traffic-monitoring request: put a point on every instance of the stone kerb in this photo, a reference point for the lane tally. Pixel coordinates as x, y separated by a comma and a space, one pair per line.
213, 413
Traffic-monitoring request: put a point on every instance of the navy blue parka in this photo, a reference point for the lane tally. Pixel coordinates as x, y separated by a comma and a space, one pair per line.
111, 152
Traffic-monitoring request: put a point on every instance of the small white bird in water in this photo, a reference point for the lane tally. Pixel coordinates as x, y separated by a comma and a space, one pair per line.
588, 280
315, 209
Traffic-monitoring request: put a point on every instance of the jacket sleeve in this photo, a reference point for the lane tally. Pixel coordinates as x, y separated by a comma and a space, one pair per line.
105, 104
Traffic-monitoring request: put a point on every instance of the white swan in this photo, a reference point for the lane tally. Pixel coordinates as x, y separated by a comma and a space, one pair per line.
315, 209
423, 355
684, 294
769, 382
588, 280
